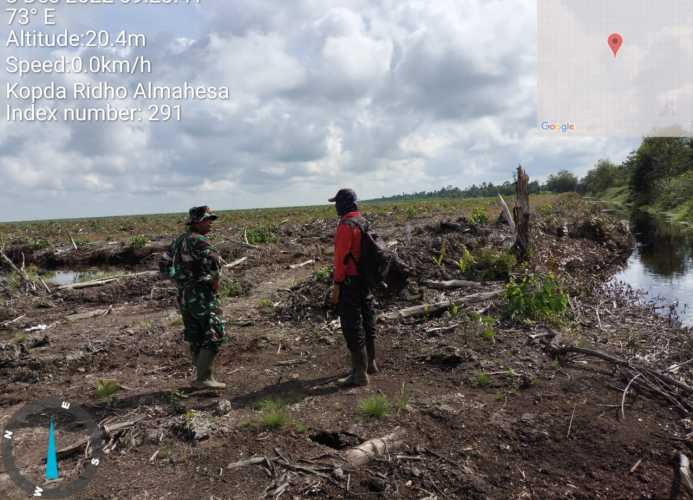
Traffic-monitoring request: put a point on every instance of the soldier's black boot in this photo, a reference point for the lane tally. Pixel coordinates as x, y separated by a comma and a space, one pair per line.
370, 348
349, 379
360, 369
205, 368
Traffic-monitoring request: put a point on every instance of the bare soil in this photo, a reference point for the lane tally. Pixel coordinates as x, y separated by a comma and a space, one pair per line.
486, 416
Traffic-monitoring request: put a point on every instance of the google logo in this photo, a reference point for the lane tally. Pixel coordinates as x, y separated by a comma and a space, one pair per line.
558, 127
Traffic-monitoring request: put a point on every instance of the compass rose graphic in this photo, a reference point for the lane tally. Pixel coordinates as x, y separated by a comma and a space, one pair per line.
51, 448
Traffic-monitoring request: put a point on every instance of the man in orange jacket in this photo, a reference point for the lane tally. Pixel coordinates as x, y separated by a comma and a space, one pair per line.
350, 293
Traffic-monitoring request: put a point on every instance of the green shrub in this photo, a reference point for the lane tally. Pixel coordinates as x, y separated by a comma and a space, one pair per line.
492, 265
106, 388
479, 216
324, 274
487, 264
261, 235
138, 241
376, 406
536, 298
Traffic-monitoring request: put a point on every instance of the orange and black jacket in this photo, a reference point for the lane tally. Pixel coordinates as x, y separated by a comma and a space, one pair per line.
347, 241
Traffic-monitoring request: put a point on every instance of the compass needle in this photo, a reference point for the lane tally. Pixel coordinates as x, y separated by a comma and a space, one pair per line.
52, 456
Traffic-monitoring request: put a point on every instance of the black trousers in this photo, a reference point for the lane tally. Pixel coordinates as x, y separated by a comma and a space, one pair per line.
356, 313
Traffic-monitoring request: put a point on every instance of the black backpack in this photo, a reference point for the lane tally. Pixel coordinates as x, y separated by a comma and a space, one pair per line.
375, 261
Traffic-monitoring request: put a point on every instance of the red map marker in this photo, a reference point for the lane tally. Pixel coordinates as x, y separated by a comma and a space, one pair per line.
615, 42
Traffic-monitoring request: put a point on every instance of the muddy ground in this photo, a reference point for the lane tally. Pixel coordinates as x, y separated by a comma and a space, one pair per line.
486, 415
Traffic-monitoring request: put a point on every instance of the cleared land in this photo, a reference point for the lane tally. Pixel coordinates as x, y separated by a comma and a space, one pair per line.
489, 401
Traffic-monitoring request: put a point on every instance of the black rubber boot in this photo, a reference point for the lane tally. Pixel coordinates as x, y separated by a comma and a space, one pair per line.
360, 370
205, 369
370, 348
349, 379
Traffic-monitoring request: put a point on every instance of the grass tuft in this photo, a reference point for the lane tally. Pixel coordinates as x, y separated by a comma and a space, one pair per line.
376, 406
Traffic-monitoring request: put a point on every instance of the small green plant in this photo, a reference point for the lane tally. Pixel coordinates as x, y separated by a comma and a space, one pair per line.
536, 298
261, 235
454, 310
483, 379
402, 402
273, 414
323, 274
411, 212
20, 338
106, 388
466, 261
438, 259
138, 241
479, 216
230, 288
177, 321
489, 334
376, 406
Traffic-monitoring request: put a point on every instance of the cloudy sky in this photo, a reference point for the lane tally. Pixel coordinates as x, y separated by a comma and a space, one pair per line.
386, 96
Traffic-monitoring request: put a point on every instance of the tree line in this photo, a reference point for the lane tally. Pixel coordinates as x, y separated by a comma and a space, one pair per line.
660, 170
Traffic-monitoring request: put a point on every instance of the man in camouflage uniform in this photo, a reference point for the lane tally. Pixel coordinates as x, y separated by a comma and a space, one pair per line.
195, 265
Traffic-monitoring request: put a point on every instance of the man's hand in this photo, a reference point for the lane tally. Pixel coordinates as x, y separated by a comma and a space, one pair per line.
334, 298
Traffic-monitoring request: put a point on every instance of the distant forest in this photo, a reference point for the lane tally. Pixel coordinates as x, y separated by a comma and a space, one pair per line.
658, 176
562, 182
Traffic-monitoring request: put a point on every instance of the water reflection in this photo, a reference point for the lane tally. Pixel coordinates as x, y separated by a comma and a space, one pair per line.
662, 263
665, 247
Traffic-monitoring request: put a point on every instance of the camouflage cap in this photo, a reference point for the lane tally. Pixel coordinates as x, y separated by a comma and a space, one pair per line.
199, 214
344, 195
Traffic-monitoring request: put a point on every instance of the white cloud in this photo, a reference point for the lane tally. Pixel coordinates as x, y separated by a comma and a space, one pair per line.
384, 95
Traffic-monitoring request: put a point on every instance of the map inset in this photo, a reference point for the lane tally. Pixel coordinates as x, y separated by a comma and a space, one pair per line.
616, 67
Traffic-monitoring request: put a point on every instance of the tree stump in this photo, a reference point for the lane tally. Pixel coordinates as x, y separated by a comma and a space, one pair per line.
521, 216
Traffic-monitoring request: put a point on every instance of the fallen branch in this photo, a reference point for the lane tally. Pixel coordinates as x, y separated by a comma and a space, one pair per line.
625, 392
682, 486
112, 429
19, 271
105, 281
373, 448
244, 463
72, 240
236, 263
87, 315
451, 284
8, 323
302, 264
425, 309
506, 213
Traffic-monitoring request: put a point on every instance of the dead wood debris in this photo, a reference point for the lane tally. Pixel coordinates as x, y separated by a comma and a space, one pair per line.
645, 379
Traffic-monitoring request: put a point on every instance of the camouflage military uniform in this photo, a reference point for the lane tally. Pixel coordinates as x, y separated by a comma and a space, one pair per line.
196, 266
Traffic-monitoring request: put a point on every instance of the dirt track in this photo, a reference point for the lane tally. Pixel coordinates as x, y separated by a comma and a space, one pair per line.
534, 427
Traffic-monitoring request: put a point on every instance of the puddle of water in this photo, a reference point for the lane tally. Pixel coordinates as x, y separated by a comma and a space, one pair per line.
662, 264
